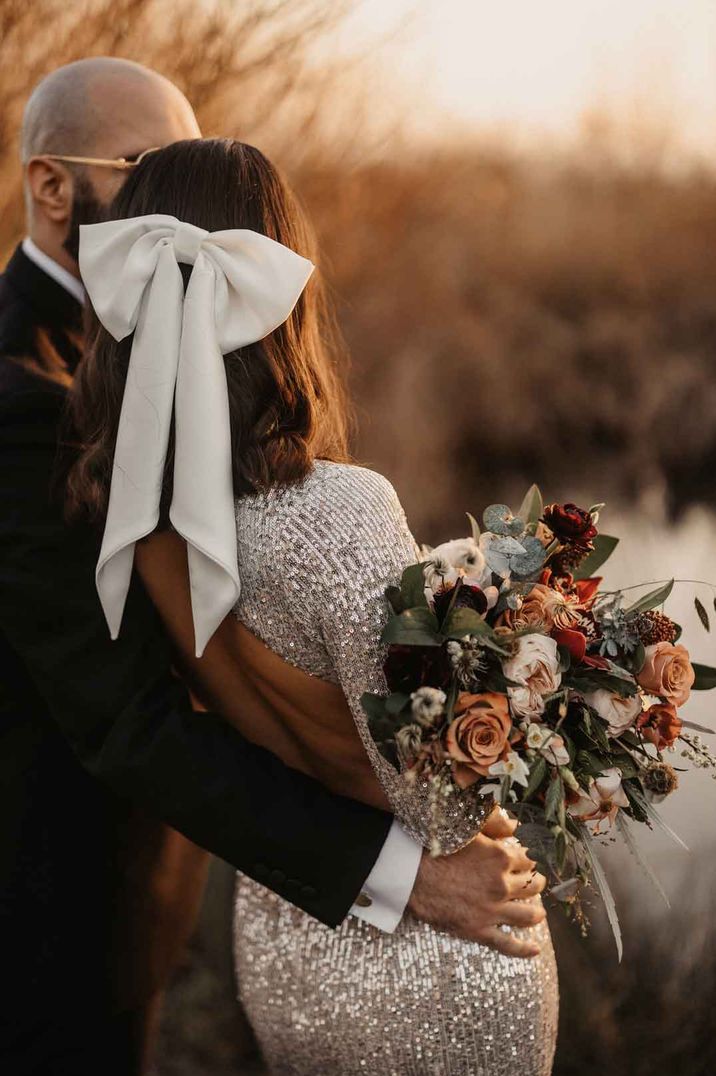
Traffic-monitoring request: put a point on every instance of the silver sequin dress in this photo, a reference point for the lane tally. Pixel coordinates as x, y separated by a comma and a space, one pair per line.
314, 562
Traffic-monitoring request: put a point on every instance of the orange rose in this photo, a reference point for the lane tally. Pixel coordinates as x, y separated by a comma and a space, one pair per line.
667, 672
660, 725
478, 736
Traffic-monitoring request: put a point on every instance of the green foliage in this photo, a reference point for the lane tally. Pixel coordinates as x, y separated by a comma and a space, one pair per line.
635, 795
538, 772
414, 627
585, 680
412, 587
651, 600
396, 703
395, 599
591, 764
554, 806
532, 507
705, 677
702, 614
381, 724
462, 622
604, 546
634, 661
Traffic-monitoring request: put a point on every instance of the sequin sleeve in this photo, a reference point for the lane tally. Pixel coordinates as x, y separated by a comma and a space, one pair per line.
370, 546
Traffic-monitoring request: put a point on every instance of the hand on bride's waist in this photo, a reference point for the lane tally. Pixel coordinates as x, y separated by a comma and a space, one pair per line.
488, 884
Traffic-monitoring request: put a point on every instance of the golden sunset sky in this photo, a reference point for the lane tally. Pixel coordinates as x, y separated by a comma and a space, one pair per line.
529, 70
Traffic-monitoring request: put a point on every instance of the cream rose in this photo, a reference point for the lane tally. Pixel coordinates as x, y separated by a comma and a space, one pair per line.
534, 666
478, 736
618, 712
667, 672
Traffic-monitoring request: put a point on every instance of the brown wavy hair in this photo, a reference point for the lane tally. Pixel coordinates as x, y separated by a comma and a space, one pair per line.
286, 397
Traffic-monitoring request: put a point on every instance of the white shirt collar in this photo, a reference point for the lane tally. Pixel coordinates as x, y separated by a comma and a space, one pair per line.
58, 273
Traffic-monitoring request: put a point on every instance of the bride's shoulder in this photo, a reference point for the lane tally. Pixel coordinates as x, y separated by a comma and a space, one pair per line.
333, 495
347, 486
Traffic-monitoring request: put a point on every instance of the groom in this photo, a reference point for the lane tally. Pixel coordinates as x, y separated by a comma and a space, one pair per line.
96, 898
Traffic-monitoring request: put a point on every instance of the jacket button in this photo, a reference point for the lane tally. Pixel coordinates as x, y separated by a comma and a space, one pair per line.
278, 876
363, 900
293, 883
260, 870
308, 892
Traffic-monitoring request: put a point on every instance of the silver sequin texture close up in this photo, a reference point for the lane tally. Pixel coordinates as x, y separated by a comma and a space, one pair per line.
314, 562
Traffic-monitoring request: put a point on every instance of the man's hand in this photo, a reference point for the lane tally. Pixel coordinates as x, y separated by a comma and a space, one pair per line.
485, 885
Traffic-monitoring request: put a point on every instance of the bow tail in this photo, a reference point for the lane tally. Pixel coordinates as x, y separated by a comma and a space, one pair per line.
142, 436
202, 508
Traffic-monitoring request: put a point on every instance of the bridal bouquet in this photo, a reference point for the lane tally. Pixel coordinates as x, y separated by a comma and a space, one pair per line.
515, 676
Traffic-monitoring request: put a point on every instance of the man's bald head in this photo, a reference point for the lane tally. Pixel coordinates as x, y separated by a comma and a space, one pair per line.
84, 106
102, 108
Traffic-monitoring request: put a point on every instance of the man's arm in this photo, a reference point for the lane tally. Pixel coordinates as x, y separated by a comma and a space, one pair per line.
130, 721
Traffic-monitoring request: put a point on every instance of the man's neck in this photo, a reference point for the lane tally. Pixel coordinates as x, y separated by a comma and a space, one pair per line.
60, 273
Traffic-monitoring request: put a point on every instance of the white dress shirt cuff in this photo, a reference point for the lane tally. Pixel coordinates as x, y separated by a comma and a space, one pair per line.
387, 889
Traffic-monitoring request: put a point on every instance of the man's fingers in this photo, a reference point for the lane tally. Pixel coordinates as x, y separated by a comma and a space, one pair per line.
520, 861
499, 825
521, 913
530, 884
508, 943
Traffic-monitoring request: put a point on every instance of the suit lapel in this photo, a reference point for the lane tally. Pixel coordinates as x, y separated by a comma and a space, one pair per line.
34, 310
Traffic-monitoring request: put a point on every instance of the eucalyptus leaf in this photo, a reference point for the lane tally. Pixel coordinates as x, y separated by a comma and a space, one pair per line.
702, 614
604, 546
414, 627
498, 519
529, 562
499, 551
650, 600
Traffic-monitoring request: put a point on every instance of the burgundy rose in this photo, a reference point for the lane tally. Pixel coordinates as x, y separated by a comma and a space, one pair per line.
467, 597
409, 667
570, 524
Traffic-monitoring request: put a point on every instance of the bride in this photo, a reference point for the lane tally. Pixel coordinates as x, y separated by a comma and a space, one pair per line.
210, 405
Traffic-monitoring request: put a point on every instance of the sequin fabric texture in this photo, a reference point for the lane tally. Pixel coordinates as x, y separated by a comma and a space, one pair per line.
314, 562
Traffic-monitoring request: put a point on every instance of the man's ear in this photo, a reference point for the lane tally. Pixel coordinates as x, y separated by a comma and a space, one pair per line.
51, 186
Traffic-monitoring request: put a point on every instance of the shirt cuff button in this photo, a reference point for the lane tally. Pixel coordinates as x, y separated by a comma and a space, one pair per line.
363, 900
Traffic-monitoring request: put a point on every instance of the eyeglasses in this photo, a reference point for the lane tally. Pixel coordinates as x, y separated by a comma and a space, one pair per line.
121, 164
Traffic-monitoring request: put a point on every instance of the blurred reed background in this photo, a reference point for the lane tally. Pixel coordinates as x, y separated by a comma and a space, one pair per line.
517, 309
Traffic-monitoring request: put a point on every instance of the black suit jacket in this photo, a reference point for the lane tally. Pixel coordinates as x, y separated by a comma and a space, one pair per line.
88, 725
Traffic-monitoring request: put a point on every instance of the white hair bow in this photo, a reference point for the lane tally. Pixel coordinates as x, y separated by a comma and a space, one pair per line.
243, 285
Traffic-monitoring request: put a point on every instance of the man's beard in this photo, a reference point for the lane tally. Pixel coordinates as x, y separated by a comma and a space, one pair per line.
86, 209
